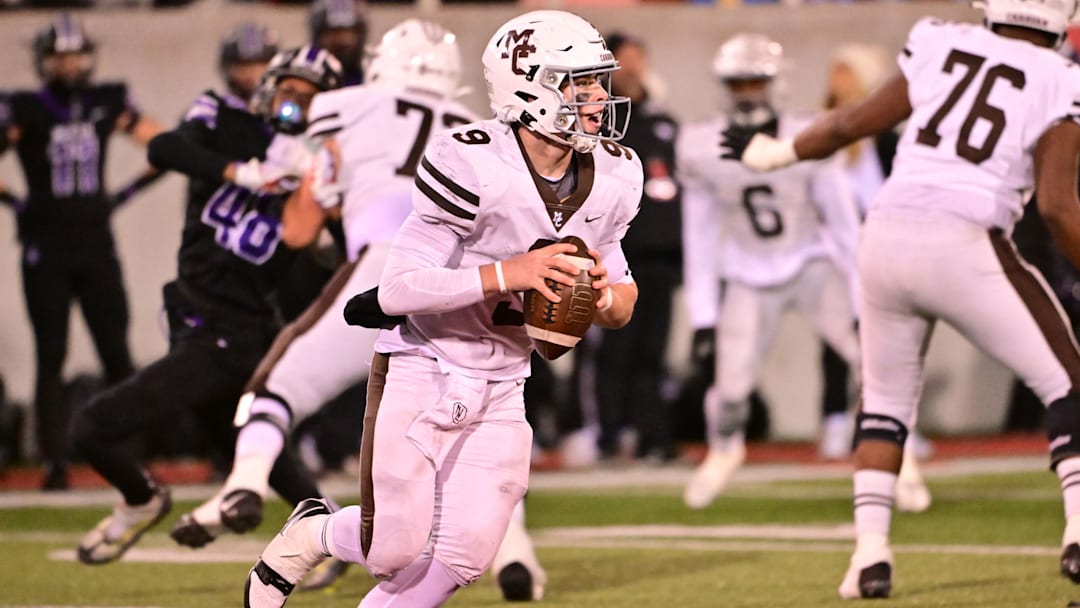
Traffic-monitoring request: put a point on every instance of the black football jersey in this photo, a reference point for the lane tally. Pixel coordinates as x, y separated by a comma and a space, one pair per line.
230, 251
64, 137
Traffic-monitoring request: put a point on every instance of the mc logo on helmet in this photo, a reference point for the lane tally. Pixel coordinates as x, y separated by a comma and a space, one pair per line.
521, 49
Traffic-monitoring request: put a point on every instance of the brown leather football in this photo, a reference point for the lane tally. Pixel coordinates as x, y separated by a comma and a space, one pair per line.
555, 328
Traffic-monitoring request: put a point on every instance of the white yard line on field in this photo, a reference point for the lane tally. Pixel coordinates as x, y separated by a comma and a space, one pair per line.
768, 537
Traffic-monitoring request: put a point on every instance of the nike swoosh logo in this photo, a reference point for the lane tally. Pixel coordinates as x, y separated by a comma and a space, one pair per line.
593, 219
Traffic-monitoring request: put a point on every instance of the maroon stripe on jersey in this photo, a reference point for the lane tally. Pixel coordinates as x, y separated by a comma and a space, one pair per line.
1054, 326
450, 184
380, 364
586, 175
442, 201
301, 325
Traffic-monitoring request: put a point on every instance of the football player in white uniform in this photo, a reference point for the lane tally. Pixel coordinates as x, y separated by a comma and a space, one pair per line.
377, 133
992, 112
761, 235
445, 453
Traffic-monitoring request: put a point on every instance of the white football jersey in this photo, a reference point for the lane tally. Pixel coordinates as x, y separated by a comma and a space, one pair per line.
381, 133
758, 229
980, 102
476, 181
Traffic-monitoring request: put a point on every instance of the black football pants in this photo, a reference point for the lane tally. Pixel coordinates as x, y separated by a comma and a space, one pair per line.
204, 371
52, 279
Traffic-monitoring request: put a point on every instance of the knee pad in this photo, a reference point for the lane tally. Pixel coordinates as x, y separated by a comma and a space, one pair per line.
264, 406
1063, 428
879, 428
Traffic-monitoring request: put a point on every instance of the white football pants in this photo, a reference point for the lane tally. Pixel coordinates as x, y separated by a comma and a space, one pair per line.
329, 356
749, 320
444, 457
915, 268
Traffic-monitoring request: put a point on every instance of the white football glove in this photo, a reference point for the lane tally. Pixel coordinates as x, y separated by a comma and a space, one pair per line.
290, 154
766, 153
323, 180
256, 175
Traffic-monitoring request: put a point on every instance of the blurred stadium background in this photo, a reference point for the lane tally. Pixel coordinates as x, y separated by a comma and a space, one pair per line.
168, 56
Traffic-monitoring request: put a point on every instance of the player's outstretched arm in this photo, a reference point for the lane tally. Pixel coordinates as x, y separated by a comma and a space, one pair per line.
883, 110
1055, 186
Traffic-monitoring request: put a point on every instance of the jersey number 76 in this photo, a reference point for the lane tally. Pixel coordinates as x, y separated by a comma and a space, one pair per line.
980, 108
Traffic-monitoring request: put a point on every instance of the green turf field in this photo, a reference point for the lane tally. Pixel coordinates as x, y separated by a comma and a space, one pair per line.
988, 540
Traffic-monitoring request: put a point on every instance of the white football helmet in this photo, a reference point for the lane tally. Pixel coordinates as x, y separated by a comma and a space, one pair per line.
746, 58
417, 54
528, 61
1051, 16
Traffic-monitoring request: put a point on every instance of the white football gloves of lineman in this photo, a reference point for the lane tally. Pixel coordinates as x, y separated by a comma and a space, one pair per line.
288, 156
758, 151
323, 179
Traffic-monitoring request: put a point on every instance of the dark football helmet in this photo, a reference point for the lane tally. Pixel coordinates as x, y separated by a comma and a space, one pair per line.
63, 52
245, 53
309, 63
341, 27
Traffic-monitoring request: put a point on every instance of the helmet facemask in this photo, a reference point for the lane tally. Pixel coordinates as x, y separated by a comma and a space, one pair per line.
611, 114
751, 102
286, 109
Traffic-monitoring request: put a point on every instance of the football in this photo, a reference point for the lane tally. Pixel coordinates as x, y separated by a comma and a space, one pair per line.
555, 328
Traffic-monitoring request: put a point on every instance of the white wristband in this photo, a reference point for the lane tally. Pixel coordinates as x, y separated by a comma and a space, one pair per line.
500, 278
610, 295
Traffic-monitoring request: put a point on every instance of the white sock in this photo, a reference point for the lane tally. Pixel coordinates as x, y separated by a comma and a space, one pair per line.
341, 535
1068, 471
875, 492
257, 447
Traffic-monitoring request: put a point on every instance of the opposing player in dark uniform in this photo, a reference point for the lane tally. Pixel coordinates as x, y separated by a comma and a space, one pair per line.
341, 27
221, 309
245, 53
61, 134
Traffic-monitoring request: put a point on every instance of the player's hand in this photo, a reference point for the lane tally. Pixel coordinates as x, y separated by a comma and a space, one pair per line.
600, 282
759, 151
529, 270
703, 352
256, 175
290, 154
733, 142
322, 178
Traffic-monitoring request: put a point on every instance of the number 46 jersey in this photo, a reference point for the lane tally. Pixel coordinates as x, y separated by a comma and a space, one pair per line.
381, 133
758, 229
980, 102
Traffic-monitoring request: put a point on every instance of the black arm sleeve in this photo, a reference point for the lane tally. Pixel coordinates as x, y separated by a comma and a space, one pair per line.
184, 150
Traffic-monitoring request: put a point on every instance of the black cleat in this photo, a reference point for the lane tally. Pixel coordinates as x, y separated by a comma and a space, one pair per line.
1070, 562
516, 583
241, 511
876, 581
190, 533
